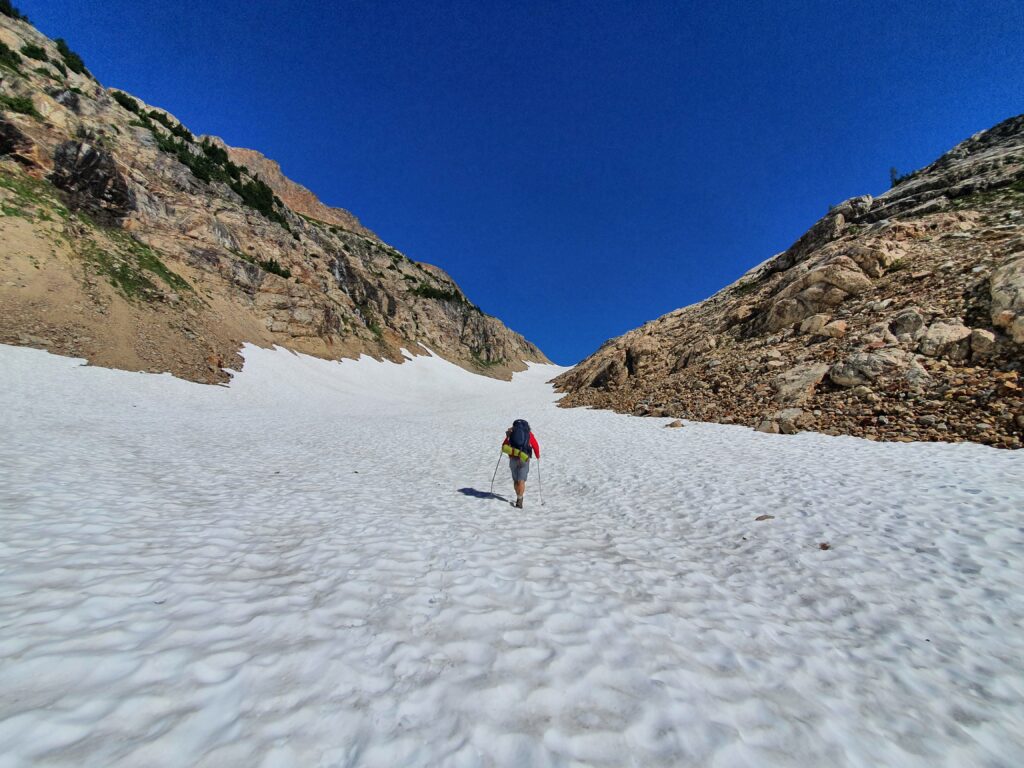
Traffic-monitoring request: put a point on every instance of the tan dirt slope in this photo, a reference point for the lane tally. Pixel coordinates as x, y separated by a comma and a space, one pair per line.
895, 318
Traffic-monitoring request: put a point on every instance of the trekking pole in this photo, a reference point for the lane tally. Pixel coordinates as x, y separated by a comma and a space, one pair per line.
540, 483
495, 472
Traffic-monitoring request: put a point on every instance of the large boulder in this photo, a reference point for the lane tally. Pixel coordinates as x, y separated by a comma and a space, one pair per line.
817, 290
797, 385
825, 230
91, 181
872, 261
1007, 288
642, 356
907, 323
815, 323
983, 344
792, 420
843, 273
611, 375
862, 368
835, 330
784, 313
788, 421
853, 208
946, 338
688, 354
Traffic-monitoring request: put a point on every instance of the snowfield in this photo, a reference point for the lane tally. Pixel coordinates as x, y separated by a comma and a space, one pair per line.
305, 569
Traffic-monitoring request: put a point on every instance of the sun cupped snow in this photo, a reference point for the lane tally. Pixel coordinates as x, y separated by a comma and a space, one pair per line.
307, 567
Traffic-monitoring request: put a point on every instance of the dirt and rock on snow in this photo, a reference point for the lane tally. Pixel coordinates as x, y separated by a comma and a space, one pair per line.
305, 568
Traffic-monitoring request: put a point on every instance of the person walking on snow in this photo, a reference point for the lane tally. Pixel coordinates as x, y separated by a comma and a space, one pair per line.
520, 445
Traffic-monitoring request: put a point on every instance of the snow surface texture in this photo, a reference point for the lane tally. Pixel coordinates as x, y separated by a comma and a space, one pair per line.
305, 569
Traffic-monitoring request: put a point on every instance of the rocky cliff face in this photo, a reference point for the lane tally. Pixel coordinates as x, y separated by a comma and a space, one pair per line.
132, 242
898, 318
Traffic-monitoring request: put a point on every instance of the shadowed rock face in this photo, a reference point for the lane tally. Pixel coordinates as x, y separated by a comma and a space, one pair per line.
91, 182
135, 243
897, 317
12, 140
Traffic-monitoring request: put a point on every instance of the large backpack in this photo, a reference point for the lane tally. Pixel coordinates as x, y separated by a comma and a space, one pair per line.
520, 437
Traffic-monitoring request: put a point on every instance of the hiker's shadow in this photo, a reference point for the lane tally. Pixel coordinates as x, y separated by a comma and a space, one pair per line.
481, 494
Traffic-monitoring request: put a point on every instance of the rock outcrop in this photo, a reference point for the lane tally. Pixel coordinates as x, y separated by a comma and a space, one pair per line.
91, 182
132, 242
294, 195
899, 317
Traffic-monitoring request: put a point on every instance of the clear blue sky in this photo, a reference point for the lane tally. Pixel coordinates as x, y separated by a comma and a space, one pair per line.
578, 167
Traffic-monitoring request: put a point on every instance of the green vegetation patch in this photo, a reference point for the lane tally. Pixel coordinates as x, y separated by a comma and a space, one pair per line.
440, 294
147, 260
126, 277
130, 266
9, 59
176, 129
32, 198
198, 162
895, 177
316, 222
10, 210
481, 363
397, 257
9, 10
36, 52
274, 267
20, 104
260, 197
219, 156
207, 161
127, 102
450, 295
267, 265
71, 59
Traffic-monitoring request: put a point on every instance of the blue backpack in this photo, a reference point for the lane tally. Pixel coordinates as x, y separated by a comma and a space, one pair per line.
520, 437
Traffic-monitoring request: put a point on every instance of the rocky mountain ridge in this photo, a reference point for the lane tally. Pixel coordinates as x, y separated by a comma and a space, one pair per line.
294, 195
132, 242
899, 317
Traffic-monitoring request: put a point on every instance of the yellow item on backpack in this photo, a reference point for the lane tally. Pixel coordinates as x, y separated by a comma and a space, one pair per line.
515, 453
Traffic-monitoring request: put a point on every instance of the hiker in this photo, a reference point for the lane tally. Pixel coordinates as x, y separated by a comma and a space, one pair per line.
519, 446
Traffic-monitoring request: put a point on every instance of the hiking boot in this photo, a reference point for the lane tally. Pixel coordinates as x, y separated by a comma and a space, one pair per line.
519, 502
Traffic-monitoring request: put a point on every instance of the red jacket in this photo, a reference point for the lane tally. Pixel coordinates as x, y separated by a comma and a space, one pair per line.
533, 444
